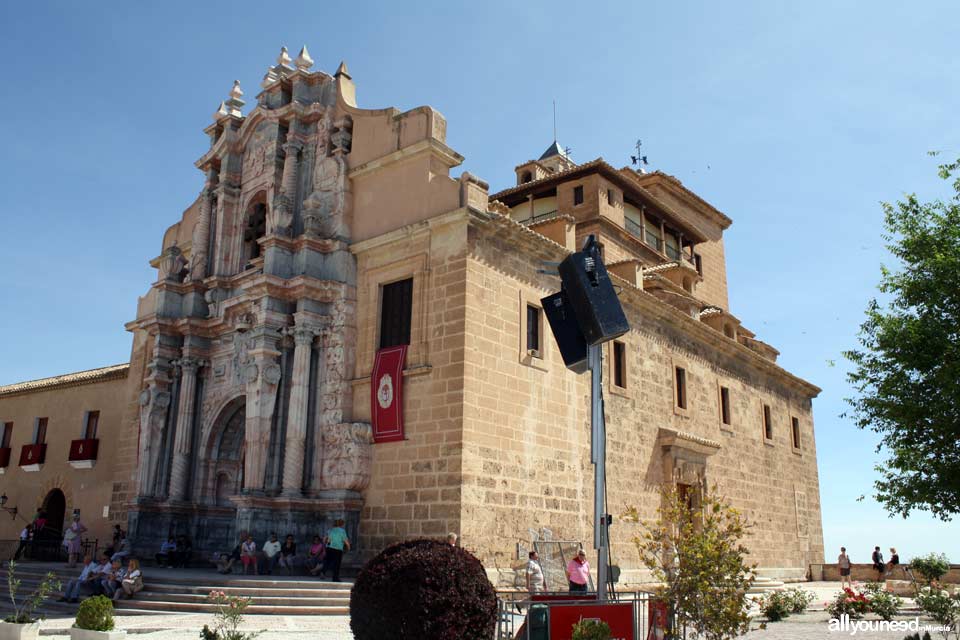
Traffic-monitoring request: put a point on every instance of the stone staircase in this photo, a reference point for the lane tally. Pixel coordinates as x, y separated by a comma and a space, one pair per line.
765, 585
186, 591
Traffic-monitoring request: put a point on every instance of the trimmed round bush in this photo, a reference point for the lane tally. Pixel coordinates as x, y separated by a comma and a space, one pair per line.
423, 590
95, 614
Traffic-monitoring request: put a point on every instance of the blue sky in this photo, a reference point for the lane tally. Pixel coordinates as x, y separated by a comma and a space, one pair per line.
795, 119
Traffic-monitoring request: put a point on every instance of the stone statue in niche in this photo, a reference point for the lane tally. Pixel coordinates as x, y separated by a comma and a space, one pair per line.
154, 404
347, 456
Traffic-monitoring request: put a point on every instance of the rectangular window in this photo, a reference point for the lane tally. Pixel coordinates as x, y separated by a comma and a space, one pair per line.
767, 423
673, 247
40, 432
396, 309
620, 364
652, 234
681, 381
533, 330
795, 425
610, 196
698, 262
7, 435
90, 425
577, 195
725, 405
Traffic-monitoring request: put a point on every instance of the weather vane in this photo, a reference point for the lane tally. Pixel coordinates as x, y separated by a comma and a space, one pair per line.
639, 160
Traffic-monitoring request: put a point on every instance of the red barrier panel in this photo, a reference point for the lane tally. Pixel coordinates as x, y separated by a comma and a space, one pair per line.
619, 615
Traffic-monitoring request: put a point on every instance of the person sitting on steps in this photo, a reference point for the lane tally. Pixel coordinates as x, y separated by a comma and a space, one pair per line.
288, 554
165, 557
131, 583
315, 556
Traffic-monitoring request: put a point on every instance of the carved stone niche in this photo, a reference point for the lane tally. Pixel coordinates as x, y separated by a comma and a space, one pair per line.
685, 458
347, 456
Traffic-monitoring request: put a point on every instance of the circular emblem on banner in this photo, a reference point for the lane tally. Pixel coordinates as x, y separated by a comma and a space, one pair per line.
385, 391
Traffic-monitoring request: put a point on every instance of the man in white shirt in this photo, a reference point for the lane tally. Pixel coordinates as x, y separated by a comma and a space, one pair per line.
271, 553
536, 582
72, 592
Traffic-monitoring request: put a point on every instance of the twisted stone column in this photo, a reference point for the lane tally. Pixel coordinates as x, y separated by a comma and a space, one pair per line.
295, 446
183, 440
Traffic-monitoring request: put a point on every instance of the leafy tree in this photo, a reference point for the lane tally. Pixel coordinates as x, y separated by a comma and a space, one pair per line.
907, 370
698, 555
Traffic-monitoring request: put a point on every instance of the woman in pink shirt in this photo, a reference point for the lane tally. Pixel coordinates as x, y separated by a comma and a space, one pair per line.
578, 573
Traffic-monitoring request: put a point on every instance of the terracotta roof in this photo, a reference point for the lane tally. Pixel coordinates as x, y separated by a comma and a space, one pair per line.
617, 177
652, 177
67, 380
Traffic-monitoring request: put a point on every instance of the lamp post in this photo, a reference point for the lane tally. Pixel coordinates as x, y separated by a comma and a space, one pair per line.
3, 505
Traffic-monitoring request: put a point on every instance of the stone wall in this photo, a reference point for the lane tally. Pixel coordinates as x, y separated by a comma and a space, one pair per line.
415, 487
89, 490
526, 437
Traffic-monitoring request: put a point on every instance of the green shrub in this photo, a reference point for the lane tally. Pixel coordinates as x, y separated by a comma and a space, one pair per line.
885, 604
941, 606
799, 599
916, 636
22, 610
930, 567
776, 605
591, 630
95, 614
850, 602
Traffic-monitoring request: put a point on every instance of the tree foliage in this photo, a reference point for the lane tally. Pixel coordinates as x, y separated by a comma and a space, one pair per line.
906, 372
698, 555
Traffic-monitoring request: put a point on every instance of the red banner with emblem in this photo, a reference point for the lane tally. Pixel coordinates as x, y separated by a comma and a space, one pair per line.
386, 394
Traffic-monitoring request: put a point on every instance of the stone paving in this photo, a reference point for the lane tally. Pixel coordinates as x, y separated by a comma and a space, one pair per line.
808, 626
181, 627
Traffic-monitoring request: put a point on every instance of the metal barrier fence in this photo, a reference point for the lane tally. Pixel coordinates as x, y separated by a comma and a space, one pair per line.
513, 622
47, 550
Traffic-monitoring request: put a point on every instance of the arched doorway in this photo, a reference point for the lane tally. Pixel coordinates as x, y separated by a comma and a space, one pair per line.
222, 465
54, 507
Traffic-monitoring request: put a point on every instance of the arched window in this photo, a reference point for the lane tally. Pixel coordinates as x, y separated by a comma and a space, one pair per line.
256, 228
526, 176
728, 331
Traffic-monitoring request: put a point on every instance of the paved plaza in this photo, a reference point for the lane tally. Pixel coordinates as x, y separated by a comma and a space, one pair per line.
808, 626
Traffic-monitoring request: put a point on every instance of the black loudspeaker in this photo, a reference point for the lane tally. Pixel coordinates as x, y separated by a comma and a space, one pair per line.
591, 295
566, 330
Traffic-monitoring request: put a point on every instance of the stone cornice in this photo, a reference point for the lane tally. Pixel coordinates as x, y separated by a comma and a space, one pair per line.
648, 305
91, 376
439, 150
684, 440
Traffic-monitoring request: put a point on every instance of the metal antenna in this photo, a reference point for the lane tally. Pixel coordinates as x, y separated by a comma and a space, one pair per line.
554, 120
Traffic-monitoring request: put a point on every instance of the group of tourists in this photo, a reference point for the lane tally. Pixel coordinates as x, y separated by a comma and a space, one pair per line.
322, 556
107, 577
175, 553
879, 566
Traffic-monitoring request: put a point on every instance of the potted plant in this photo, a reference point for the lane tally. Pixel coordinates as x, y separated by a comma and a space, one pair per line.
591, 630
95, 621
21, 625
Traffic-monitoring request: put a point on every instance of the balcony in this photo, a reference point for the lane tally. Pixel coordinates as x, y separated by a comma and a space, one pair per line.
83, 453
4, 459
32, 456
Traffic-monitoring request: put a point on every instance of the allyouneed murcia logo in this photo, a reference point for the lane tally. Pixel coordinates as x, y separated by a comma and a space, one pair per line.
844, 624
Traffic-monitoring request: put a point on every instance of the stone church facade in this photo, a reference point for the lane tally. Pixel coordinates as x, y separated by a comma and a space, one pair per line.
246, 403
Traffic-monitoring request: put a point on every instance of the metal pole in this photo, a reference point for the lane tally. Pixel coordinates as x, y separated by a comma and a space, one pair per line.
598, 455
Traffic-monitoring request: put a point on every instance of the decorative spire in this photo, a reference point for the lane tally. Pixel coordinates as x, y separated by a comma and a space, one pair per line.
284, 57
342, 71
304, 61
235, 103
221, 111
269, 78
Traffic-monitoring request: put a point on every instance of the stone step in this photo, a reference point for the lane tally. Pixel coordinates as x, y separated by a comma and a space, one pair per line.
167, 606
319, 591
307, 601
211, 583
